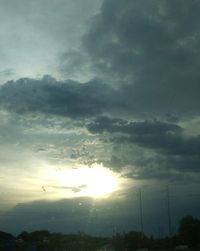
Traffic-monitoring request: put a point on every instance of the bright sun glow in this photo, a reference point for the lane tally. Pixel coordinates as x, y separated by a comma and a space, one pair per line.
94, 182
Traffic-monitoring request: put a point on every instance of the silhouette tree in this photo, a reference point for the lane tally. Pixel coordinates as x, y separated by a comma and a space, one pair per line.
189, 231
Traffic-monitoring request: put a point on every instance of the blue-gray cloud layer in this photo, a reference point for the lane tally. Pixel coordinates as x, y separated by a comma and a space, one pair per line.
152, 47
100, 217
171, 148
51, 97
174, 149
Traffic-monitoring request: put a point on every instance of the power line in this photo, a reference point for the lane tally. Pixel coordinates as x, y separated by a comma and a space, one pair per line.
141, 211
169, 212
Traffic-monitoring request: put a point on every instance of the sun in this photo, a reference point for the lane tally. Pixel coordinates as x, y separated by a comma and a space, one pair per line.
96, 182
100, 182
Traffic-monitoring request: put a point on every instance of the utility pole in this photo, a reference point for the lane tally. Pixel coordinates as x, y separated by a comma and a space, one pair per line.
141, 211
169, 212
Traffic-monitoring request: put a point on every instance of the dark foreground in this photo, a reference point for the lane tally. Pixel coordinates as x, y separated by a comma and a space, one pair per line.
187, 238
45, 241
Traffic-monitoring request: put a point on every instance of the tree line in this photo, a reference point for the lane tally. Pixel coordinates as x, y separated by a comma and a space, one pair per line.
188, 235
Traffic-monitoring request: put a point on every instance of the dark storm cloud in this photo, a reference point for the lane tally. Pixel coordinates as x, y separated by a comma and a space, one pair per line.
49, 96
70, 216
150, 134
152, 47
163, 167
168, 141
46, 214
103, 123
99, 217
174, 150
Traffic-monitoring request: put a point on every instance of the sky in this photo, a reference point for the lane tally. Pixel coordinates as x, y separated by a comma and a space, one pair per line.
99, 104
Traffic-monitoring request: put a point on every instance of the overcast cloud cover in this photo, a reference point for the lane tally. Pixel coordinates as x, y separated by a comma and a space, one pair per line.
107, 82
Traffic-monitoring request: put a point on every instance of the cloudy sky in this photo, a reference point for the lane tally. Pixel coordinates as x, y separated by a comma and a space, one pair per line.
99, 103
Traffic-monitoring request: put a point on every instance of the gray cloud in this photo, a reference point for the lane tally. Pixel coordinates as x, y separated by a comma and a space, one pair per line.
69, 216
150, 50
170, 148
152, 47
72, 99
103, 123
101, 217
49, 96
